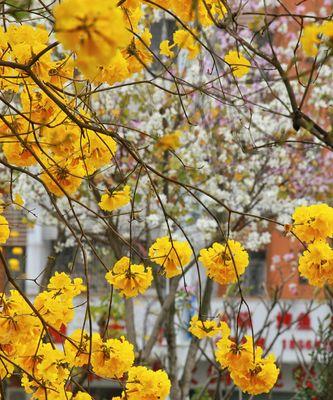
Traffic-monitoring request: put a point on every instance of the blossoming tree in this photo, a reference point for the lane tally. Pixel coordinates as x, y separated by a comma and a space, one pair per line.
169, 157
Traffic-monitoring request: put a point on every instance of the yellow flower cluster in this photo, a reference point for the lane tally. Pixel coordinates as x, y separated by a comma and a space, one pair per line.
206, 13
20, 330
84, 27
203, 329
125, 63
116, 199
77, 348
172, 255
49, 368
145, 384
313, 222
105, 52
314, 225
129, 279
55, 304
222, 261
316, 263
62, 175
20, 43
111, 358
184, 40
45, 368
239, 65
170, 141
65, 153
46, 136
249, 371
42, 133
313, 35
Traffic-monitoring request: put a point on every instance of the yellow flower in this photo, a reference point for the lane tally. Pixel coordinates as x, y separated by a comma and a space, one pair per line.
249, 371
112, 358
165, 49
26, 41
4, 230
18, 324
77, 347
17, 152
55, 305
116, 71
313, 222
172, 256
63, 138
131, 4
229, 353
62, 282
84, 27
19, 202
50, 368
187, 12
257, 376
217, 9
316, 263
171, 141
310, 40
55, 309
63, 177
138, 54
117, 199
185, 40
239, 65
145, 384
202, 329
327, 28
221, 265
98, 151
18, 155
37, 106
130, 279
81, 396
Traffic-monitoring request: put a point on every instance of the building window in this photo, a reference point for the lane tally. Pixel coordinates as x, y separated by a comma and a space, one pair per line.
254, 278
105, 393
70, 261
15, 257
161, 30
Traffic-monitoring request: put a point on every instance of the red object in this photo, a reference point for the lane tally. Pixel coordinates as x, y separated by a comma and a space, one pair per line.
284, 319
261, 342
244, 320
57, 337
304, 322
116, 326
300, 375
160, 336
228, 380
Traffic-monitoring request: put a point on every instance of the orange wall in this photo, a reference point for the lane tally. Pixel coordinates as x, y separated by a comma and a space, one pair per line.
285, 273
